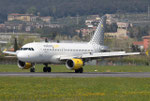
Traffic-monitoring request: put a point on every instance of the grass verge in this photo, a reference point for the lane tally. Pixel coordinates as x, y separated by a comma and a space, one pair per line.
74, 89
62, 68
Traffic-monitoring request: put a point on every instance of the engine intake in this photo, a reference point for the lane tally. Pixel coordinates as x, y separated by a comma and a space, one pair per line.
24, 65
74, 64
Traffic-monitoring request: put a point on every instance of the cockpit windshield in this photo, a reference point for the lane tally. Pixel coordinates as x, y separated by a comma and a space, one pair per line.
30, 49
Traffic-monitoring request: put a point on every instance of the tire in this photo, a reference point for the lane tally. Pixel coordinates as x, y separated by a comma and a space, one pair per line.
44, 69
77, 71
32, 70
48, 69
81, 70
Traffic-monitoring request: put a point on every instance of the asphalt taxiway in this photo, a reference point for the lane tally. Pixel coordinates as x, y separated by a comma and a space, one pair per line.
86, 74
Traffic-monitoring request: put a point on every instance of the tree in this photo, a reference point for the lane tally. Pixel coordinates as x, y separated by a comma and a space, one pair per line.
0, 53
22, 40
15, 45
135, 48
111, 28
32, 10
80, 34
63, 8
138, 32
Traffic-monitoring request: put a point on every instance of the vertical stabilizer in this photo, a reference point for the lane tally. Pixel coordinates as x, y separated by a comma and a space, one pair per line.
98, 37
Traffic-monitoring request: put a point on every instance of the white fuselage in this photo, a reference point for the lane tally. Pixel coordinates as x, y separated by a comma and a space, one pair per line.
51, 52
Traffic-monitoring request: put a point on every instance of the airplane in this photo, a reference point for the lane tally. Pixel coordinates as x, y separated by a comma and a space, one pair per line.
73, 55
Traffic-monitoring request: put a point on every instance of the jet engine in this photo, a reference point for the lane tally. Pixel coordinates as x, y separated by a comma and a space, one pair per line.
74, 64
24, 65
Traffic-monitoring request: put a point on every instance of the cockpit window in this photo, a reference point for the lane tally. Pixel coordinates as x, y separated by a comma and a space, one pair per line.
30, 49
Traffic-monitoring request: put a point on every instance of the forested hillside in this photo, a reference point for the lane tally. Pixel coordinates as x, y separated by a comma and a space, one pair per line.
61, 8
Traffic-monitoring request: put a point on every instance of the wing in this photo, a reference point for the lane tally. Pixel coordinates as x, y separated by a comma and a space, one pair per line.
9, 52
108, 54
100, 55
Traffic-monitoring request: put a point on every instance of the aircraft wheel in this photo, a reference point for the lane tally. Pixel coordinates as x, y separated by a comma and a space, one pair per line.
48, 69
32, 69
77, 71
44, 69
80, 70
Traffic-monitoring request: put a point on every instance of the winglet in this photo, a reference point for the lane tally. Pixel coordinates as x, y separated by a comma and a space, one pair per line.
9, 52
4, 50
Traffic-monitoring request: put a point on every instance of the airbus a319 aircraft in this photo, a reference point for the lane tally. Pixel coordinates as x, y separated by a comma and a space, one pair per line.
73, 55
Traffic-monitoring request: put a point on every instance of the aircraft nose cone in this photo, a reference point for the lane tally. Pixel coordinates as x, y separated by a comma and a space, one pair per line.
21, 56
25, 56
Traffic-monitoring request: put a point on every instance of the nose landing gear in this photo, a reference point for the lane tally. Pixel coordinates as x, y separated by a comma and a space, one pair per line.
32, 69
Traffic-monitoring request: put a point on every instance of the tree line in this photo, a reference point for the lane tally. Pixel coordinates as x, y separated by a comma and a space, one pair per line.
63, 8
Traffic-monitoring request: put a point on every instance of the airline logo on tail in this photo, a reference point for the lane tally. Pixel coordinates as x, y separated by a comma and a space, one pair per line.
98, 37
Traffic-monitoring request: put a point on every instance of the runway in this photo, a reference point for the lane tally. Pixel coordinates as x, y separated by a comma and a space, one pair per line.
84, 75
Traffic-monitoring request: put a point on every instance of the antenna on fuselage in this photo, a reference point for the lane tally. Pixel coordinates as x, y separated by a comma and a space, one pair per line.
46, 40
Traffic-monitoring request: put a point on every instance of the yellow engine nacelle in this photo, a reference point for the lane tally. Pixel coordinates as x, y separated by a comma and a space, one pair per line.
24, 65
74, 64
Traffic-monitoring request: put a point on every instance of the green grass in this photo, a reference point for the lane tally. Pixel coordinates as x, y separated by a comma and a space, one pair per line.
62, 68
74, 89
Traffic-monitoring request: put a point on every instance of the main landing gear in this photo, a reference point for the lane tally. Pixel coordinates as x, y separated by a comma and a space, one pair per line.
32, 69
80, 70
46, 68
